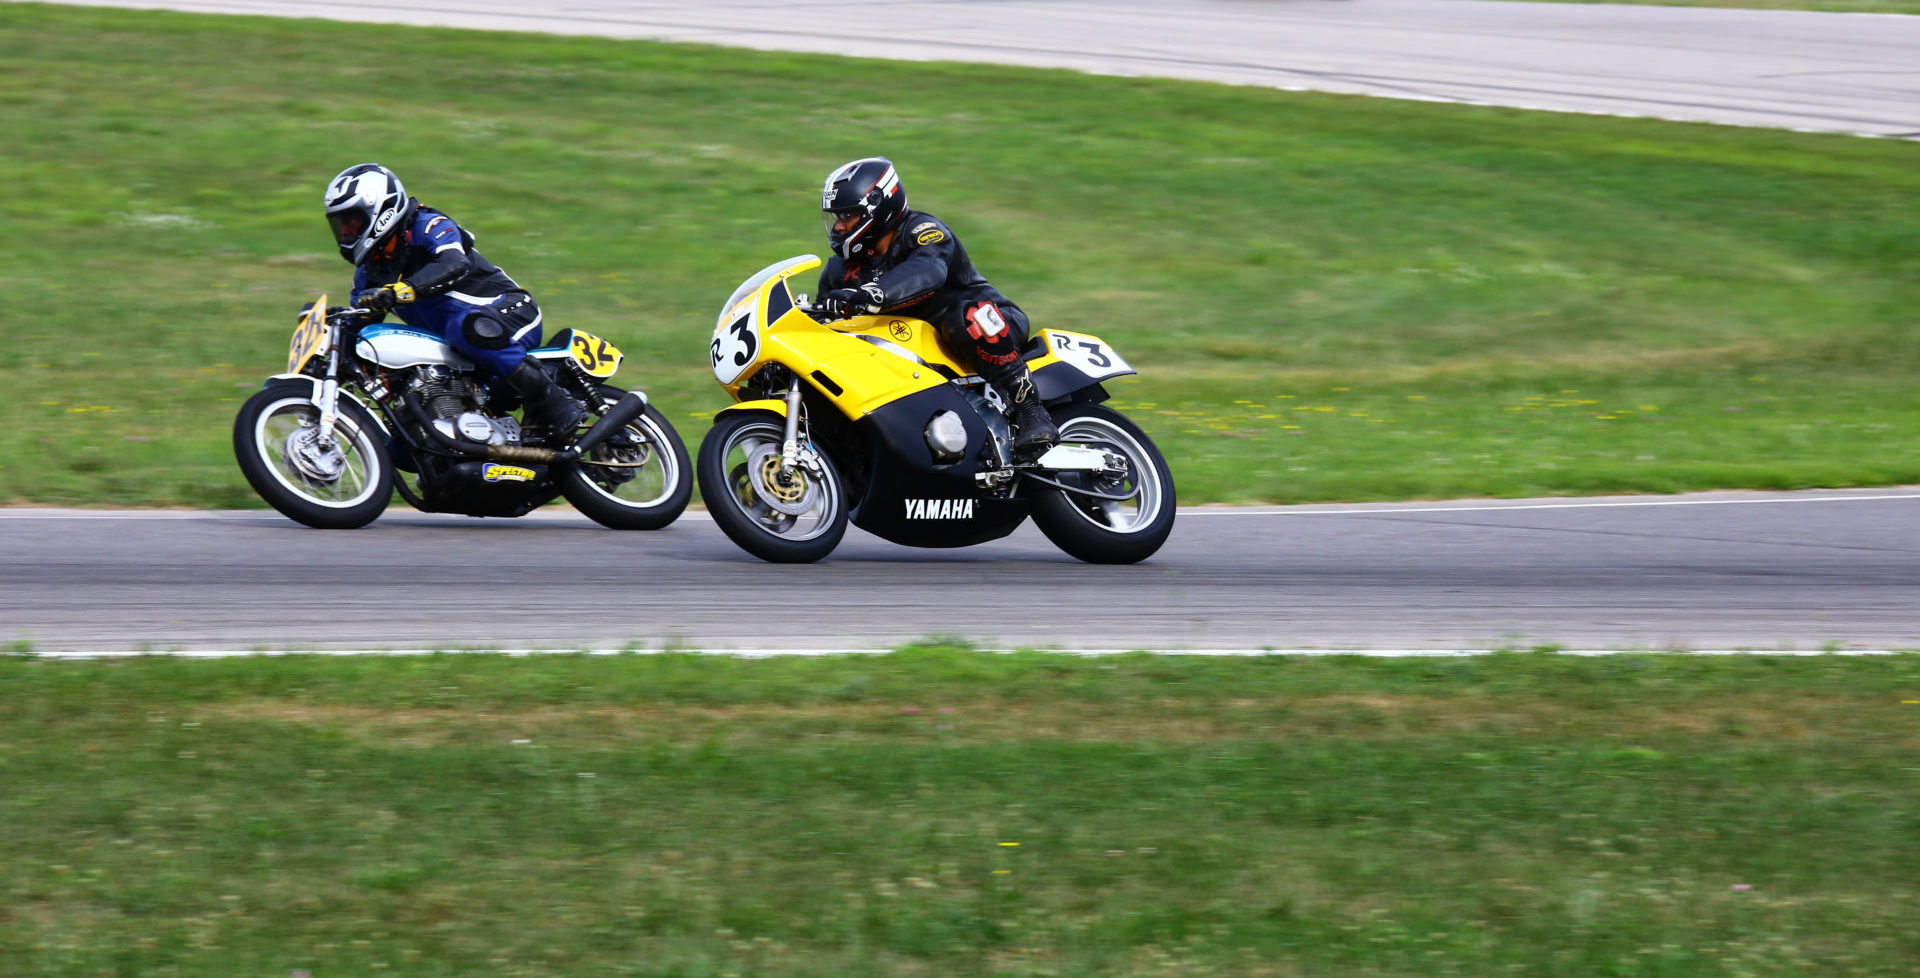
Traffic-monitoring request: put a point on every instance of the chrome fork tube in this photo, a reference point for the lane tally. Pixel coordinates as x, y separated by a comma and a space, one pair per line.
330, 392
790, 445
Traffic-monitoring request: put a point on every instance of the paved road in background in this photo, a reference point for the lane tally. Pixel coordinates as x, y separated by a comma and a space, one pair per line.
1715, 571
1857, 73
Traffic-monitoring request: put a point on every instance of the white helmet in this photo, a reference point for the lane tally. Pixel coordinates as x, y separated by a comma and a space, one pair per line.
366, 205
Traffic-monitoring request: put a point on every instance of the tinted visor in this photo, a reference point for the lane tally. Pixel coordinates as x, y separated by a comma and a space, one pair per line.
847, 220
348, 226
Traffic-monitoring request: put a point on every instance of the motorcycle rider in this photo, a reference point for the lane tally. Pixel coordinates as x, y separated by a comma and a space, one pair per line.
888, 258
415, 261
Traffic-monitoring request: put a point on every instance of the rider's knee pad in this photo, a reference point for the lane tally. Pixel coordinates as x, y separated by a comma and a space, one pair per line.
486, 332
996, 337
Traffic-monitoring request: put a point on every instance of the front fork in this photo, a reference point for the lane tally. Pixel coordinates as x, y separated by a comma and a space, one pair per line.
329, 402
790, 445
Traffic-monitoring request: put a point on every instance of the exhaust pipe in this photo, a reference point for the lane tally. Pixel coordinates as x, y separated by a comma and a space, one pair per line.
617, 417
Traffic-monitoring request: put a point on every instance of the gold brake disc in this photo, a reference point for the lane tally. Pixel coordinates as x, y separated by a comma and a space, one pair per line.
787, 487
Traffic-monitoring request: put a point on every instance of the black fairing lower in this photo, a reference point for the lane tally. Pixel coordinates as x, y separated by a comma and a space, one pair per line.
464, 487
913, 500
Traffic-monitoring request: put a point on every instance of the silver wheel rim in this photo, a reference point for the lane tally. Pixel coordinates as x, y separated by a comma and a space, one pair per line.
639, 477
1125, 516
286, 436
739, 454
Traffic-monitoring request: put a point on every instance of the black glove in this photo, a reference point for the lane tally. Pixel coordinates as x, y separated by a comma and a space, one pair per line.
384, 297
375, 300
842, 303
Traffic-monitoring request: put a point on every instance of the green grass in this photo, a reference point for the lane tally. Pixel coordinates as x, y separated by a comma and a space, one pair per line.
944, 812
1328, 297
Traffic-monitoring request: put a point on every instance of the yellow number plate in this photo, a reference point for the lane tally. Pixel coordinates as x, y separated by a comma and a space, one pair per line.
310, 337
595, 355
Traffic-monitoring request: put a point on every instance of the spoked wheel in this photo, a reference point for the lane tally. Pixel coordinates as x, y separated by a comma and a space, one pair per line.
638, 479
1124, 517
789, 517
331, 483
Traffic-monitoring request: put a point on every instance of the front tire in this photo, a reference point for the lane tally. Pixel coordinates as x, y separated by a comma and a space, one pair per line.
1105, 531
797, 519
329, 487
637, 479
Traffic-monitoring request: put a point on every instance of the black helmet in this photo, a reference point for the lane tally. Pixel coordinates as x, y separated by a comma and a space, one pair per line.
870, 190
365, 206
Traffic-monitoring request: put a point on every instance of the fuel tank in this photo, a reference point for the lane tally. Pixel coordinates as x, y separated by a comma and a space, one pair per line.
397, 345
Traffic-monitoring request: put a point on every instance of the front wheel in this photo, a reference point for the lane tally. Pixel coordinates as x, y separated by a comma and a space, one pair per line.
335, 480
791, 517
639, 478
1108, 530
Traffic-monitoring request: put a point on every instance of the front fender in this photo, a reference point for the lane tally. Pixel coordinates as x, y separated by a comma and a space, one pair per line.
319, 386
316, 383
776, 406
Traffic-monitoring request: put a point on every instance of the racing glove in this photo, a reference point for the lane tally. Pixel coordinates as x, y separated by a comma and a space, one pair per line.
385, 297
841, 303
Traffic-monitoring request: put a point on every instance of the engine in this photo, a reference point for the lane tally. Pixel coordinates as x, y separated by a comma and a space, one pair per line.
457, 406
455, 402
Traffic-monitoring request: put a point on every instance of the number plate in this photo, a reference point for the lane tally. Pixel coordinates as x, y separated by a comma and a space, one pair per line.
735, 344
1093, 356
595, 355
310, 338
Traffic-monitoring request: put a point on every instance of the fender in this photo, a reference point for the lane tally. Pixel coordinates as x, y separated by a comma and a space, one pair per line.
775, 406
318, 385
315, 382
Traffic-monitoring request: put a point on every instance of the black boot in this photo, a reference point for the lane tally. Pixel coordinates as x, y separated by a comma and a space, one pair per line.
546, 404
1033, 428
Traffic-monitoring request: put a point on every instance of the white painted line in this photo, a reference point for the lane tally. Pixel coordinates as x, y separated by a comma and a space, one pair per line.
781, 653
1477, 507
1305, 509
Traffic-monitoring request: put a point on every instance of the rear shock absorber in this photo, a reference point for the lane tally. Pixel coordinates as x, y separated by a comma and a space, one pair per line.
583, 384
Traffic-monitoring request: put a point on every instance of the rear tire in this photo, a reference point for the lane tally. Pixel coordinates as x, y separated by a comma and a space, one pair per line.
275, 439
1101, 531
641, 482
795, 523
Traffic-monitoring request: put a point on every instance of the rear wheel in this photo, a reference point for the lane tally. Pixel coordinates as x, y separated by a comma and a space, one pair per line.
1097, 527
331, 483
639, 478
793, 517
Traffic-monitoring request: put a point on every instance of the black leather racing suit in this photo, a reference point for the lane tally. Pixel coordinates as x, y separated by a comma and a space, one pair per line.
926, 274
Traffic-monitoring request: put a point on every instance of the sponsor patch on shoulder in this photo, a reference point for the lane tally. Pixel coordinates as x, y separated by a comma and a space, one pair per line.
928, 233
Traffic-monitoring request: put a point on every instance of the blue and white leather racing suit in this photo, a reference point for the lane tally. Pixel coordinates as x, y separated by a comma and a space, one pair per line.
457, 293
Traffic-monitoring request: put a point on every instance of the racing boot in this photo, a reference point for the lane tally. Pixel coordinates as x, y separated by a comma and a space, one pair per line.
1033, 429
547, 405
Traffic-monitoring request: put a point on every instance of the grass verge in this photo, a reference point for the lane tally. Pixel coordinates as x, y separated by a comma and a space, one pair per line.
1329, 297
940, 811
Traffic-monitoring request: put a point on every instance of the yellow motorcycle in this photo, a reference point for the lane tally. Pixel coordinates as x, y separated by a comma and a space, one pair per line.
869, 421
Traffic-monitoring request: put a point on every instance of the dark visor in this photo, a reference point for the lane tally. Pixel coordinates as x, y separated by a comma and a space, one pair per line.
347, 225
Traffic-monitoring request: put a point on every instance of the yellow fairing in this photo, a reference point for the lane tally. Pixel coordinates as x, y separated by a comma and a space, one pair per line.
865, 358
777, 407
859, 364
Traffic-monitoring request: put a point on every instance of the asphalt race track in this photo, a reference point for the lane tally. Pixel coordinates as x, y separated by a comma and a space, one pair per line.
1829, 72
1809, 571
1765, 571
